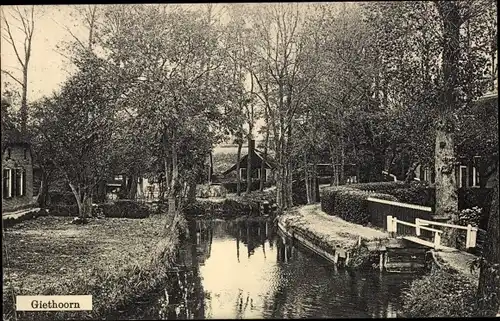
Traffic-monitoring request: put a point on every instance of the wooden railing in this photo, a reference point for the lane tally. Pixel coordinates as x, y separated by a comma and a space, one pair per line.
470, 240
421, 224
392, 227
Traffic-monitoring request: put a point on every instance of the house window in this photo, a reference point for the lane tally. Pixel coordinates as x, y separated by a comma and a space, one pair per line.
7, 183
462, 176
20, 185
475, 177
475, 171
427, 174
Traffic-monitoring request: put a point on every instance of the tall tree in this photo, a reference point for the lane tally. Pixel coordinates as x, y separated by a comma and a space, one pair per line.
25, 17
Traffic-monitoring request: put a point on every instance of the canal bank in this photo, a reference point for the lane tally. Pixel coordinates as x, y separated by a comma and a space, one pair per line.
346, 243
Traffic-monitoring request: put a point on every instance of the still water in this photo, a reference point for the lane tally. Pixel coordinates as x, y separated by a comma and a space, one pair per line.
244, 269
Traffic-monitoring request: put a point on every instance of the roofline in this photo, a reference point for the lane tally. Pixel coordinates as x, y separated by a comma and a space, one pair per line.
488, 96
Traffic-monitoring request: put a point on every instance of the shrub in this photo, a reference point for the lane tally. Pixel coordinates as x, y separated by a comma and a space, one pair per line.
62, 198
377, 186
440, 294
414, 195
232, 187
124, 209
63, 210
350, 204
206, 191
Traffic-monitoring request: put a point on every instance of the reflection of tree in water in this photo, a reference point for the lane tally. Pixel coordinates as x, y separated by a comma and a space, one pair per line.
251, 233
185, 296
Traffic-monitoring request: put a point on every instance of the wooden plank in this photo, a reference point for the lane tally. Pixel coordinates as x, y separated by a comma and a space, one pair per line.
413, 206
429, 244
426, 222
420, 226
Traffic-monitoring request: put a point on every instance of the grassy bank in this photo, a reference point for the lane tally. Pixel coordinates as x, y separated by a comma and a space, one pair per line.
115, 260
441, 294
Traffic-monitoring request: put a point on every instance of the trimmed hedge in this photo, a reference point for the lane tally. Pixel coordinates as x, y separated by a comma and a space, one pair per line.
124, 209
377, 186
414, 195
349, 204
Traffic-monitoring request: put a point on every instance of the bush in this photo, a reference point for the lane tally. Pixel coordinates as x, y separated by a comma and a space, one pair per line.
62, 198
377, 186
63, 210
124, 209
440, 294
414, 195
206, 191
232, 187
349, 204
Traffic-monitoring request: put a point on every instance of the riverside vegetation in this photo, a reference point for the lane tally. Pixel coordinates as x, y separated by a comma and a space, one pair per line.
116, 260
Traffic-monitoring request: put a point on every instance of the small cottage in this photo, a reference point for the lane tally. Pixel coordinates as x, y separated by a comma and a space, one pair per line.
256, 159
17, 170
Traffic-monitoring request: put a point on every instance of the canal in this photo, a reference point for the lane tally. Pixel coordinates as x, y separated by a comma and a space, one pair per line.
245, 269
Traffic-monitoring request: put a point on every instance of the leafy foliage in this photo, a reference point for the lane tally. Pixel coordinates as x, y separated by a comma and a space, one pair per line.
440, 294
349, 204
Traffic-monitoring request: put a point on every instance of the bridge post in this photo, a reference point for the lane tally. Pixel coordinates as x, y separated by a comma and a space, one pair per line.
417, 227
389, 223
471, 236
437, 240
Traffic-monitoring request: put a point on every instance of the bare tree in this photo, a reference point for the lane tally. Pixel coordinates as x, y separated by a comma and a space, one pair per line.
26, 24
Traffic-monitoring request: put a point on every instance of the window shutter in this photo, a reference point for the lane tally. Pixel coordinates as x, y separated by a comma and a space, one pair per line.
13, 182
5, 186
23, 179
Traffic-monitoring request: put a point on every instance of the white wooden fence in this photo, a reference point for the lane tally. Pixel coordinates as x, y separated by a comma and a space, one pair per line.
420, 224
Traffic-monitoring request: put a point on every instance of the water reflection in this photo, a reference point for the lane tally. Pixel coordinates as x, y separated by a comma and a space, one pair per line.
244, 269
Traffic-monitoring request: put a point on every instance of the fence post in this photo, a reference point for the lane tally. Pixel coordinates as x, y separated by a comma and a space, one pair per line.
473, 237
395, 225
417, 227
468, 238
437, 239
389, 223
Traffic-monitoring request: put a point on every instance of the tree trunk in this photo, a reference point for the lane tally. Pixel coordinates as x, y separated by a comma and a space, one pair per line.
78, 199
24, 100
238, 174
489, 277
307, 181
84, 202
446, 188
210, 167
172, 193
263, 177
332, 159
446, 185
132, 187
101, 191
191, 196
249, 163
342, 161
315, 184
44, 190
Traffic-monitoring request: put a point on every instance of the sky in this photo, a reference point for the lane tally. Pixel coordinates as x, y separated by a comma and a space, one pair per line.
48, 69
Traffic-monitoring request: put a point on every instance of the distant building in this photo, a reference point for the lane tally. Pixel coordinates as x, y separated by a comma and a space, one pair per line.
17, 168
257, 158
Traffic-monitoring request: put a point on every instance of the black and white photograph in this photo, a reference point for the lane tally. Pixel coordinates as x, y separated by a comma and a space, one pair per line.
260, 160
